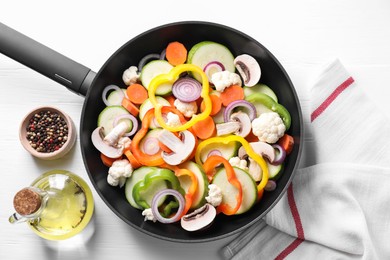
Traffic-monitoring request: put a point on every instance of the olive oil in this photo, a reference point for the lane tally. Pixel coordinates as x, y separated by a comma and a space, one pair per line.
66, 205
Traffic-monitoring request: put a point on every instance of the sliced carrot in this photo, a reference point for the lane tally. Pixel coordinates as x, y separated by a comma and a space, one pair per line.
216, 105
204, 129
232, 93
287, 142
133, 109
137, 93
107, 161
171, 99
133, 161
176, 53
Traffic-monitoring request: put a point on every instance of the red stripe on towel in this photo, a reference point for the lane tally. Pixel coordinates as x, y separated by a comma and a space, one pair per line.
289, 249
294, 212
331, 98
298, 225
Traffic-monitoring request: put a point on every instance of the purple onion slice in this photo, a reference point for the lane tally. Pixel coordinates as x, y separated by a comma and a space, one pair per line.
249, 108
155, 203
187, 89
109, 88
280, 154
132, 119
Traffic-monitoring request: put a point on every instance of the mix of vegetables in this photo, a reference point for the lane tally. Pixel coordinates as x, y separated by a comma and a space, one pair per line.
193, 134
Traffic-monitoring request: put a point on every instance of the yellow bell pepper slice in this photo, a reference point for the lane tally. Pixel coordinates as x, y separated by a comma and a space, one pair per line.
171, 77
235, 138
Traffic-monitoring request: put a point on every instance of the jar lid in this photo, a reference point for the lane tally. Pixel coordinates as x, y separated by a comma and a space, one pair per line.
27, 202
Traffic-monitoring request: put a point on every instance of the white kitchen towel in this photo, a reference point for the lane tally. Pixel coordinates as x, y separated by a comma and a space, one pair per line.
338, 207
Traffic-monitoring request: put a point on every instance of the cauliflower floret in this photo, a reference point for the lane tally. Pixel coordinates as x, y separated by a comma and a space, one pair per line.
173, 120
236, 161
187, 108
215, 195
148, 213
118, 172
130, 76
268, 127
124, 142
224, 79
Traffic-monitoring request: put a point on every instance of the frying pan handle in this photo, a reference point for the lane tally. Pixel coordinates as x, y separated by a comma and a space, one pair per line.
46, 61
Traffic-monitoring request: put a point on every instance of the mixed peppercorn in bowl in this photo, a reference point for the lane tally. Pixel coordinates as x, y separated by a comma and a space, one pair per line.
47, 133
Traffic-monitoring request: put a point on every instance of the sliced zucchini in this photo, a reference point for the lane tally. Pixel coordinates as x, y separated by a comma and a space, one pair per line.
229, 192
202, 190
137, 176
205, 52
262, 88
227, 151
147, 104
274, 171
153, 69
114, 99
107, 116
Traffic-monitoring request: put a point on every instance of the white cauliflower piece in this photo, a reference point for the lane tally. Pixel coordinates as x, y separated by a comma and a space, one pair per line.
130, 76
236, 161
268, 127
124, 142
118, 172
173, 120
215, 195
224, 79
186, 108
148, 213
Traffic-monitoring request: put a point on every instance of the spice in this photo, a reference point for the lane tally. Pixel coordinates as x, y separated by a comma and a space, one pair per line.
47, 131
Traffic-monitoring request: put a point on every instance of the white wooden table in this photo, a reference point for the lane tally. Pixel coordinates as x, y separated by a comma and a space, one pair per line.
302, 34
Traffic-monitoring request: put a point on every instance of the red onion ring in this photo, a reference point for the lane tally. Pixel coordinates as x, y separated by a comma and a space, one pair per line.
132, 119
270, 186
214, 152
107, 89
146, 58
213, 64
150, 145
251, 110
163, 193
280, 154
162, 54
187, 89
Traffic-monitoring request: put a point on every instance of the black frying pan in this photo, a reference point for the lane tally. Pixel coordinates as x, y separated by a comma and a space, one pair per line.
85, 82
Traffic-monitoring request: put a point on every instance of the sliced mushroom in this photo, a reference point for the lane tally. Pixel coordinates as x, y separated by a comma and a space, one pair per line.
248, 68
181, 147
108, 145
199, 219
261, 148
255, 170
245, 123
228, 128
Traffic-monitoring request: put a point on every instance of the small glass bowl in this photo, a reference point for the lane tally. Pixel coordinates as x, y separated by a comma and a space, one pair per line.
63, 150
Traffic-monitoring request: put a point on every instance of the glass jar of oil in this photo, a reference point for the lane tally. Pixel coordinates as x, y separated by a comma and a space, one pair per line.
57, 206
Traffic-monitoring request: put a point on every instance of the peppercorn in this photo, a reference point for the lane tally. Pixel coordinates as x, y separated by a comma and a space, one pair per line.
47, 131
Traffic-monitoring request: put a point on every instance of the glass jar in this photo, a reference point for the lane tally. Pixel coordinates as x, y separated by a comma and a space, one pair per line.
57, 206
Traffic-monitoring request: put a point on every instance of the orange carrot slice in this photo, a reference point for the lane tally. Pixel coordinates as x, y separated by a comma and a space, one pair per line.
176, 53
232, 93
137, 93
204, 129
216, 105
133, 109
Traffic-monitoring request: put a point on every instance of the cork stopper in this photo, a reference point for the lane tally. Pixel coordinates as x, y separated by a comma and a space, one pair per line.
27, 201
